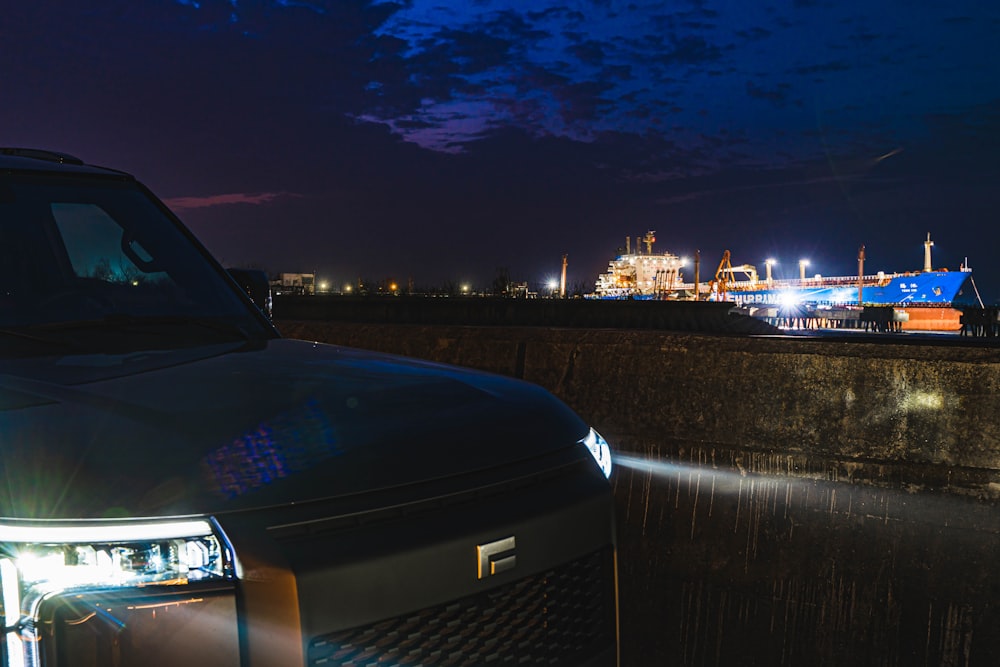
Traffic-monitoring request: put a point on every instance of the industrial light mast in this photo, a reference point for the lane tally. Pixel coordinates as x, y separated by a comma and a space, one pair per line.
562, 280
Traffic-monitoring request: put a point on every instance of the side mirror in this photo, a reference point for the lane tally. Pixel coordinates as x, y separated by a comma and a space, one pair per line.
255, 283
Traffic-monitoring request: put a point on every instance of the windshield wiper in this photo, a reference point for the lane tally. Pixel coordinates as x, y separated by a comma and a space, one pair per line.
40, 340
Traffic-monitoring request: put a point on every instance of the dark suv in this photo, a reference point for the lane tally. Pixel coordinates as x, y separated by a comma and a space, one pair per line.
182, 486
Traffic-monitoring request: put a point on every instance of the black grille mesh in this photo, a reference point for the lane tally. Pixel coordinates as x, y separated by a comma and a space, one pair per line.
559, 617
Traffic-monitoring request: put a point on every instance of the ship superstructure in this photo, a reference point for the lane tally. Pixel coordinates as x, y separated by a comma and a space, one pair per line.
641, 275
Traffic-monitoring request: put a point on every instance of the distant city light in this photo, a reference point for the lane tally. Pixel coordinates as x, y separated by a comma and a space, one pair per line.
347, 288
465, 289
323, 286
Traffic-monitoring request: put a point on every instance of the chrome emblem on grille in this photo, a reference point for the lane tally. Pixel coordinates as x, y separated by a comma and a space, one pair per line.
496, 557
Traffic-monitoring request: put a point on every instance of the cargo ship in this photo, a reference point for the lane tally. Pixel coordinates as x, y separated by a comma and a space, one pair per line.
928, 300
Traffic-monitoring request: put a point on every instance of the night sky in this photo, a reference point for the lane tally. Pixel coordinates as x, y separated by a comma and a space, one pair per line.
439, 140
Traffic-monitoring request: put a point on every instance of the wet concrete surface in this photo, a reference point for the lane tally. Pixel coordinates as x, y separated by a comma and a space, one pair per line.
724, 567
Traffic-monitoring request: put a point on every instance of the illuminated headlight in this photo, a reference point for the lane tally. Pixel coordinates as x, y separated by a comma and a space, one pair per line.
41, 561
600, 450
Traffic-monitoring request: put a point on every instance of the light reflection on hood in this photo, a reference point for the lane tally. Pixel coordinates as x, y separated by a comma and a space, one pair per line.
289, 443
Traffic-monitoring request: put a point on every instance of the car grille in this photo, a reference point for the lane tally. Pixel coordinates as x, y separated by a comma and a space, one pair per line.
559, 617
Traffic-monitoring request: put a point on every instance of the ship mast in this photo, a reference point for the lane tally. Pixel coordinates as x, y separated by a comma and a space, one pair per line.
861, 273
928, 244
697, 268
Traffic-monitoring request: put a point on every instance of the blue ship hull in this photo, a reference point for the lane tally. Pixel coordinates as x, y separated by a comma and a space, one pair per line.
933, 288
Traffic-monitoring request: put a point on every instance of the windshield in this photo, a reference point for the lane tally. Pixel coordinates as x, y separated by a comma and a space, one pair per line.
87, 253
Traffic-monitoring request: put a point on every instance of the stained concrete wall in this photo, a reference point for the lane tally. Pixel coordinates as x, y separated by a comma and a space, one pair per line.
781, 501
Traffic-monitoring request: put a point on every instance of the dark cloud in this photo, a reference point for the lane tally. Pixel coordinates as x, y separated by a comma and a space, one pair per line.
754, 34
580, 102
673, 51
865, 38
691, 50
823, 68
430, 139
684, 21
513, 25
590, 52
777, 95
561, 13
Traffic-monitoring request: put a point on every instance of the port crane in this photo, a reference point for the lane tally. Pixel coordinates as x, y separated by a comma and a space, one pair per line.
720, 283
725, 275
749, 270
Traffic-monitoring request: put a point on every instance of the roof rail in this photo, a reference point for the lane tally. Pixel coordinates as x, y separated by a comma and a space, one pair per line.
41, 154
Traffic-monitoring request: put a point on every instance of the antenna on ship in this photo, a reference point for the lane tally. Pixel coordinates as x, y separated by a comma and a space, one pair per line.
697, 267
928, 244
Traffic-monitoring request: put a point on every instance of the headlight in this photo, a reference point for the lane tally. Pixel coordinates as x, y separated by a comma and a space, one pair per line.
600, 450
39, 562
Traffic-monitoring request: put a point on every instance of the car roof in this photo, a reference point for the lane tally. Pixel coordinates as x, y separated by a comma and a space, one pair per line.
35, 159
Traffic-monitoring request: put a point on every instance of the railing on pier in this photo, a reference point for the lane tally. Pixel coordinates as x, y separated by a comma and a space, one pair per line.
983, 322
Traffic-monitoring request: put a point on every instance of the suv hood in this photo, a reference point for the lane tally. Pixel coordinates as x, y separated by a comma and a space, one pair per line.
212, 430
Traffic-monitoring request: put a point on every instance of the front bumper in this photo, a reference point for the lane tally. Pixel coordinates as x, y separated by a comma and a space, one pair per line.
392, 578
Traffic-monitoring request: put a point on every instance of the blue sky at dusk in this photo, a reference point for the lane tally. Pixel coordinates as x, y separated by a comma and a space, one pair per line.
441, 140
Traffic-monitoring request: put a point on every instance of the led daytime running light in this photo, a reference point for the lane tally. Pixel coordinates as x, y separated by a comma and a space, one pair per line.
600, 450
103, 533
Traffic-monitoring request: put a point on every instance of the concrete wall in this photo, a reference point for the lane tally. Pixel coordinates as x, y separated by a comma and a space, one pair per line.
781, 501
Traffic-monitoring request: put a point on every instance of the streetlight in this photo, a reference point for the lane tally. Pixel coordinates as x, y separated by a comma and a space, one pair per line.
803, 263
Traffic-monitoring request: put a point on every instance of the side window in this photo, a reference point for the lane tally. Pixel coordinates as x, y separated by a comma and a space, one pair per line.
94, 243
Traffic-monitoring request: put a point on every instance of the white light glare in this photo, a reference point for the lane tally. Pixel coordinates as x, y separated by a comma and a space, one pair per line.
787, 299
600, 450
12, 611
